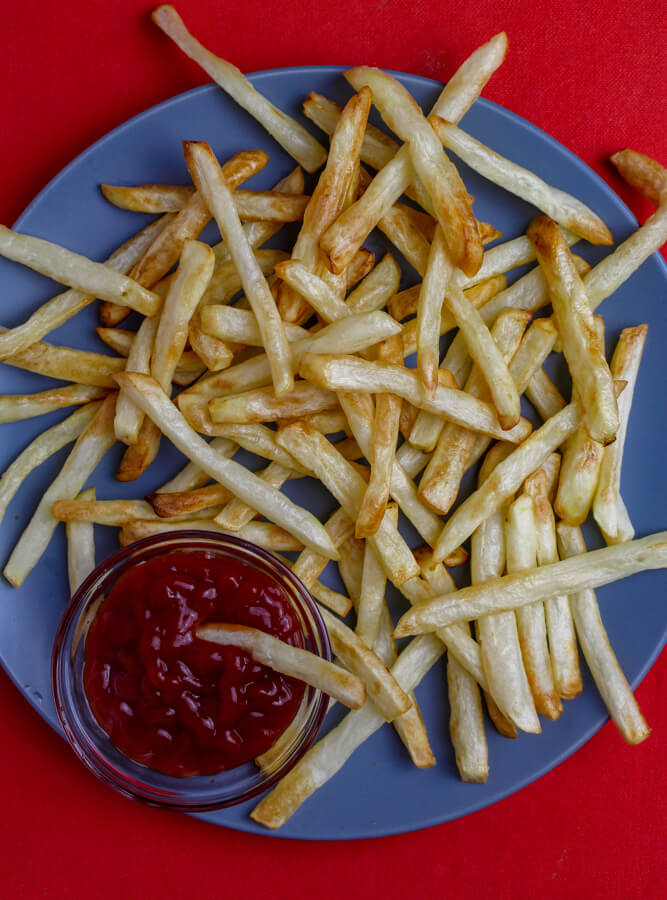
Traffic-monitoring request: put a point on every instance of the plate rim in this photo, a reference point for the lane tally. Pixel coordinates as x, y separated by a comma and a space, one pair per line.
247, 826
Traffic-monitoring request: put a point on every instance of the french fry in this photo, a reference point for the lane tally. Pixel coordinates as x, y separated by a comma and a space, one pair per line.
385, 436
78, 366
264, 534
261, 441
210, 181
310, 564
103, 512
544, 395
185, 291
16, 407
289, 134
80, 547
591, 377
120, 340
40, 449
437, 277
590, 570
580, 472
313, 451
139, 455
129, 418
261, 404
446, 191
347, 373
148, 198
90, 447
270, 651
506, 479
314, 289
177, 503
59, 309
330, 196
560, 627
624, 366
79, 272
371, 596
333, 600
607, 674
351, 229
354, 652
650, 178
329, 754
240, 325
191, 476
565, 209
236, 513
521, 553
147, 394
498, 634
376, 288
440, 483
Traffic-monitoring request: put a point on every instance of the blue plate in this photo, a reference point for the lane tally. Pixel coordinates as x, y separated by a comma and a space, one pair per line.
378, 792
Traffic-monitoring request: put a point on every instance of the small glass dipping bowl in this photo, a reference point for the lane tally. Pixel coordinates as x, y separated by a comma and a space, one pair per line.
132, 779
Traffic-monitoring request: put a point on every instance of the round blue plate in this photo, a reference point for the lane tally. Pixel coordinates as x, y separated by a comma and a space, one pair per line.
378, 792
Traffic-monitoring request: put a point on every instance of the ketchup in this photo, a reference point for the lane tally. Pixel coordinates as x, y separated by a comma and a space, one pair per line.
171, 701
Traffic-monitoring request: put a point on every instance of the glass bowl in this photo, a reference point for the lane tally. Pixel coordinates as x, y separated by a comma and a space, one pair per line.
92, 744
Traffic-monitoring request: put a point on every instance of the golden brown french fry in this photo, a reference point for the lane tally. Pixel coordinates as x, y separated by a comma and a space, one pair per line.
16, 407
580, 472
90, 447
385, 436
607, 511
139, 455
293, 661
290, 135
314, 452
264, 534
446, 191
148, 198
103, 512
590, 570
607, 674
210, 182
591, 377
147, 394
177, 503
262, 405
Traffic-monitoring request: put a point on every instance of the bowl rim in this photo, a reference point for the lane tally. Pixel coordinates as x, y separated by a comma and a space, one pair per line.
119, 781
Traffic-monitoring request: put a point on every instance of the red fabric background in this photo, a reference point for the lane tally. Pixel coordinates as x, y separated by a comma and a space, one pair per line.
593, 76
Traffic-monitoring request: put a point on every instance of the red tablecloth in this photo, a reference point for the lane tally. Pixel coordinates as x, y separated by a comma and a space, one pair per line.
591, 75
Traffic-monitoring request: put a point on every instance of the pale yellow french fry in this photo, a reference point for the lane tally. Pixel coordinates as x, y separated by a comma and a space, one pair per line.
371, 597
591, 377
210, 182
90, 447
80, 547
120, 340
334, 600
314, 289
16, 407
313, 451
381, 687
544, 395
270, 651
498, 634
625, 367
560, 627
59, 309
229, 323
580, 472
289, 134
79, 272
427, 426
262, 405
185, 291
147, 394
377, 287
383, 451
129, 418
607, 674
330, 753
310, 564
236, 513
559, 205
261, 440
506, 479
264, 534
348, 373
590, 570
436, 284
40, 449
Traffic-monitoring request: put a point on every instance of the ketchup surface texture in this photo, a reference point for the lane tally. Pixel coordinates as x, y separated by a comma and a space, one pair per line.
171, 701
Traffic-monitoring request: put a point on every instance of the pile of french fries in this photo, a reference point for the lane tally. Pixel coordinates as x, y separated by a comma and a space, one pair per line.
278, 353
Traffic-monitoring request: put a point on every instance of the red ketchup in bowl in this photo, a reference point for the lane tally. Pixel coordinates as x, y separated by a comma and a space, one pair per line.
171, 701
